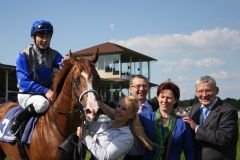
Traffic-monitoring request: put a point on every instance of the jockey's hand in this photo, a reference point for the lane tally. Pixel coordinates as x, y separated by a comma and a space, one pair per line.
51, 96
188, 120
82, 132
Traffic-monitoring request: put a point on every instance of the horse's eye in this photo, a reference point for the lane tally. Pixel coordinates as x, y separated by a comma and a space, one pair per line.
76, 79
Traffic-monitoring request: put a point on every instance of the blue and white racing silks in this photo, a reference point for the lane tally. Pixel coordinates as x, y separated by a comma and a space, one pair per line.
34, 69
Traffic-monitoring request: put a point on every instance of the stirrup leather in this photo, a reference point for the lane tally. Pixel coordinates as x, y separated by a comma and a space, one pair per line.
15, 126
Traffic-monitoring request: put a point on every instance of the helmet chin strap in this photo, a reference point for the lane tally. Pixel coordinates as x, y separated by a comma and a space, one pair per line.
42, 50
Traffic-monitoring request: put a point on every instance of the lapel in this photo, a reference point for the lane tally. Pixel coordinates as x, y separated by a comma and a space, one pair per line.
213, 113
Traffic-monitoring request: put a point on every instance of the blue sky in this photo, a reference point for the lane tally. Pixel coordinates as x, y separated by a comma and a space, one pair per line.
189, 38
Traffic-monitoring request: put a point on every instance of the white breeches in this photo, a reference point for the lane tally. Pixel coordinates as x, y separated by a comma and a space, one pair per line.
39, 102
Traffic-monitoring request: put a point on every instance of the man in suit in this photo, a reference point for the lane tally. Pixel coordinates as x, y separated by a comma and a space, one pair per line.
139, 87
214, 123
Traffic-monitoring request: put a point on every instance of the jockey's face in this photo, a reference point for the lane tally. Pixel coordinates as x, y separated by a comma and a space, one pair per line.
42, 40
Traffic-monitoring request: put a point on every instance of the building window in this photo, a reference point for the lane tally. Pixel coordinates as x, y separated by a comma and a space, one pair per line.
109, 63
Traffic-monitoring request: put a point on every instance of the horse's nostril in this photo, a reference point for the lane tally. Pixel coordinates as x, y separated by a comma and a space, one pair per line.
88, 111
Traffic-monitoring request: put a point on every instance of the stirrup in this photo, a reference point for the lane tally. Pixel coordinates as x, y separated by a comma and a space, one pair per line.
15, 127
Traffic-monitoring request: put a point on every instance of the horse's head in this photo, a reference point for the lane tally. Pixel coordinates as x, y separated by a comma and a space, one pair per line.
85, 84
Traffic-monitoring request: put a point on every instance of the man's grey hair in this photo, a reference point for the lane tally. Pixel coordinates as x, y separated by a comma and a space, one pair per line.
207, 79
138, 76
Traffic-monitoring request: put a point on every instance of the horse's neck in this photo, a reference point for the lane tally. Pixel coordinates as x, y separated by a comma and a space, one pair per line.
61, 113
64, 100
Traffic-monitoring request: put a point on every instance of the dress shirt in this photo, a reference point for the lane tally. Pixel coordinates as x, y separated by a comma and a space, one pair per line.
204, 113
110, 143
145, 107
207, 109
201, 120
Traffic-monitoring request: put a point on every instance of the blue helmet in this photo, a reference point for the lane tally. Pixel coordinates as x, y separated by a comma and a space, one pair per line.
41, 26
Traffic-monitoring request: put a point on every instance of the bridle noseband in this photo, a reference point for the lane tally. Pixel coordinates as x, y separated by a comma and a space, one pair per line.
86, 91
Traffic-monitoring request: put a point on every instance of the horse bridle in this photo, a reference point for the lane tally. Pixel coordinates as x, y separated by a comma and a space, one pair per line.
86, 91
79, 105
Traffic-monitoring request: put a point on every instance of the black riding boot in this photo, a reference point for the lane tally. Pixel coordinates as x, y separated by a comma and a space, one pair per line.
26, 114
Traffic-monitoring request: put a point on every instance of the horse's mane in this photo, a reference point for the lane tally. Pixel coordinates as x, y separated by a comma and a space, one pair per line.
60, 77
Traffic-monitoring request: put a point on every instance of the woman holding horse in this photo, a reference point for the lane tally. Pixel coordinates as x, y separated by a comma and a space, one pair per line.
34, 68
114, 139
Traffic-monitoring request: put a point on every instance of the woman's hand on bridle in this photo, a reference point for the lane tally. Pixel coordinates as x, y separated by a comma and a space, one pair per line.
82, 132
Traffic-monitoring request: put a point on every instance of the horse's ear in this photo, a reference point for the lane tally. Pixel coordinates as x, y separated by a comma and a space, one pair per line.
72, 56
94, 57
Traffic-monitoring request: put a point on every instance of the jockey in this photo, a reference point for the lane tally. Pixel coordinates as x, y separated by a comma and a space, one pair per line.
34, 69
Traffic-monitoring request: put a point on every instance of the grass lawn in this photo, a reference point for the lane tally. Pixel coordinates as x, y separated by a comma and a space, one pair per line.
238, 144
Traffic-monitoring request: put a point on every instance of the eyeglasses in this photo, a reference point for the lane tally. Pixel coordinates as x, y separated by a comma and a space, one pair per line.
208, 91
138, 86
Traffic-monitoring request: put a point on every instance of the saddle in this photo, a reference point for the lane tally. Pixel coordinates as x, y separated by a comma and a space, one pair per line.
26, 130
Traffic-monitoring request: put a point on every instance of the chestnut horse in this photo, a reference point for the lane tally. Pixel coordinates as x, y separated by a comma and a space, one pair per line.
77, 89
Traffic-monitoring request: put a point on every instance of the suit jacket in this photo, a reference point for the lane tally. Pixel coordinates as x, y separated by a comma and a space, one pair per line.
217, 137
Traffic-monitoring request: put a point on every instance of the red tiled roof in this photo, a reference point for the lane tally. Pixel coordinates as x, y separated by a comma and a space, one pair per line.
110, 48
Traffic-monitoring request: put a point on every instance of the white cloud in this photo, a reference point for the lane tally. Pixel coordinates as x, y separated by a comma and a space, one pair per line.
210, 62
221, 75
167, 63
209, 42
188, 63
186, 57
225, 75
185, 79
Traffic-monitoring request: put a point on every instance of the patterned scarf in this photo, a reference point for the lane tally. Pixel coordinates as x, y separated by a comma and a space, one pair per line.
162, 133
